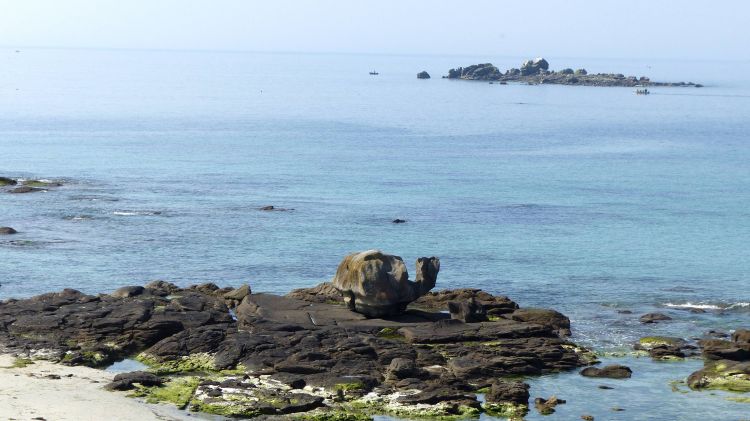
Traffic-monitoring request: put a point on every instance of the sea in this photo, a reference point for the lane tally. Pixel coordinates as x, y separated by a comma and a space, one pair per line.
594, 201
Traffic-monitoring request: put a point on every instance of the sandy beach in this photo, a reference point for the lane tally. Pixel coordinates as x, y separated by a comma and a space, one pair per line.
48, 391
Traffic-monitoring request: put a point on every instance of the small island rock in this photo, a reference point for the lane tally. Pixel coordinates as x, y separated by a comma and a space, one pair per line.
423, 75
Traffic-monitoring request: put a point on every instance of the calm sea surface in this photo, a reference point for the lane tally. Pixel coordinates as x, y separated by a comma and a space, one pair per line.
587, 200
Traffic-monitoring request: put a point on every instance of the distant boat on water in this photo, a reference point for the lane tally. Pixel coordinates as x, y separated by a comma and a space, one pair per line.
374, 73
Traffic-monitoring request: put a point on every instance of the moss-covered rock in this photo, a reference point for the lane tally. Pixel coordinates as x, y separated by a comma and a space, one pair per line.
178, 391
506, 410
650, 342
195, 363
733, 376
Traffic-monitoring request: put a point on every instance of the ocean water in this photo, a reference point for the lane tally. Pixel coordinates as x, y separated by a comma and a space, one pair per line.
588, 200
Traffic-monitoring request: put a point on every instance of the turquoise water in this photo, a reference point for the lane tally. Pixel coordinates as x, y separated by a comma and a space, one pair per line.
588, 200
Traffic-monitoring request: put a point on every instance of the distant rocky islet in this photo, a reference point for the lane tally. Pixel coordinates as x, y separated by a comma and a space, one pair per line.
537, 72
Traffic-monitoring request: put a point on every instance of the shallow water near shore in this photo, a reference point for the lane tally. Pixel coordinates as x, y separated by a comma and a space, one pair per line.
588, 200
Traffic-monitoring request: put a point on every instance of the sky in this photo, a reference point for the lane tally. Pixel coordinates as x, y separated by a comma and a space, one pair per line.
687, 29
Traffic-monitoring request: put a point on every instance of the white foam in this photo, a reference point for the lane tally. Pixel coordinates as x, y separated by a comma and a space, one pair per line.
707, 306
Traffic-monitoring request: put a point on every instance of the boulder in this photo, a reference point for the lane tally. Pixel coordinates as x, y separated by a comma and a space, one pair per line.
403, 368
567, 71
5, 181
322, 293
534, 66
423, 75
654, 318
545, 317
129, 291
614, 371
547, 406
741, 336
239, 293
127, 381
377, 284
728, 375
469, 311
581, 72
508, 392
718, 349
7, 231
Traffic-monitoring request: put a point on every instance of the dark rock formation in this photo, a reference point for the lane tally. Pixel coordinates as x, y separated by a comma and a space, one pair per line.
423, 75
5, 181
259, 363
547, 406
322, 293
469, 311
507, 391
537, 71
610, 371
727, 364
399, 221
534, 67
7, 231
544, 317
662, 348
377, 284
494, 305
129, 291
654, 318
127, 381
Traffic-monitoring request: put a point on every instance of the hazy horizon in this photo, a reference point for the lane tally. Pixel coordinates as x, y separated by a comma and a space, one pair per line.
639, 29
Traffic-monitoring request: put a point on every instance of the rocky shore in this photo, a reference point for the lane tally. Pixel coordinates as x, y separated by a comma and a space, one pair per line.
369, 342
536, 71
305, 355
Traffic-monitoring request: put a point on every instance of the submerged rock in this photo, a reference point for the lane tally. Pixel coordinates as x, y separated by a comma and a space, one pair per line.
547, 406
25, 189
5, 181
377, 284
654, 318
7, 231
614, 371
663, 347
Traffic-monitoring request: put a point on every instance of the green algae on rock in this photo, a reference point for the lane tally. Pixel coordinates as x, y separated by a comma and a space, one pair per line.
733, 376
178, 391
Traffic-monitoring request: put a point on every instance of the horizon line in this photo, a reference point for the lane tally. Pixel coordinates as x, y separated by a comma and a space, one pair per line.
293, 52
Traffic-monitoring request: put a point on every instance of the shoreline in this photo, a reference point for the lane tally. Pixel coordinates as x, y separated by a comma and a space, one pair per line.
50, 391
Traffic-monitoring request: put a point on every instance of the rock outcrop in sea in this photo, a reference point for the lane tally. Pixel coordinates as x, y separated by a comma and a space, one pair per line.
377, 284
423, 75
726, 364
239, 353
536, 71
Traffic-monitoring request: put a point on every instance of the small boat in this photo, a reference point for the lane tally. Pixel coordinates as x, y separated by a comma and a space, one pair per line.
374, 73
